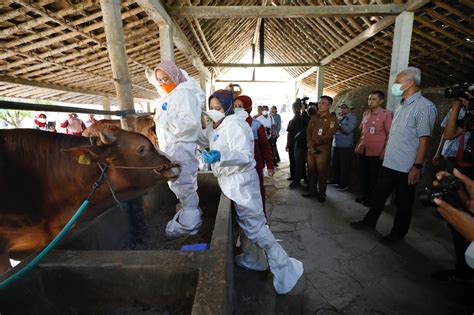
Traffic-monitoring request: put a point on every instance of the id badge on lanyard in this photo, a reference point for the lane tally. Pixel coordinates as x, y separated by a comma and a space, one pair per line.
320, 131
372, 130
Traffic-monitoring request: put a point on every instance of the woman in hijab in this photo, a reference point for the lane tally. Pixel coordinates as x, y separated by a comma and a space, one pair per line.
178, 126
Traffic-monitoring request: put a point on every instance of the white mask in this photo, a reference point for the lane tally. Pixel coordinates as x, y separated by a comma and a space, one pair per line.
42, 120
265, 113
216, 115
241, 113
397, 89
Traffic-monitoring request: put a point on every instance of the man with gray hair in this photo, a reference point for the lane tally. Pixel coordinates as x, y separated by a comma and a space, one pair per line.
405, 155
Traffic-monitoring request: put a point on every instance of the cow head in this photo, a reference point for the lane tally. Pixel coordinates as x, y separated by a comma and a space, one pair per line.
117, 147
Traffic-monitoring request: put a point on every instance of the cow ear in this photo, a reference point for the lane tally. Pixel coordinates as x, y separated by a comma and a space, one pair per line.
86, 154
109, 135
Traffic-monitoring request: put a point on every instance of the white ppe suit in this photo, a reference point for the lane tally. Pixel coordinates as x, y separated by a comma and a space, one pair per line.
178, 125
238, 180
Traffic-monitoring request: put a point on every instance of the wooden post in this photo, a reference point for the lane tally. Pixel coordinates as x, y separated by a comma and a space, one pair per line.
400, 53
113, 27
319, 82
166, 42
106, 106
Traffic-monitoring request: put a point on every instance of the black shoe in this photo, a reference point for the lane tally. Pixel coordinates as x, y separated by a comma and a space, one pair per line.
360, 199
392, 238
275, 164
308, 195
290, 178
452, 275
321, 198
333, 182
362, 225
294, 184
366, 203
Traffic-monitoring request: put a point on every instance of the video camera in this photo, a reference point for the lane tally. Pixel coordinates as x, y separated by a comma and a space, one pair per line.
459, 90
449, 189
304, 100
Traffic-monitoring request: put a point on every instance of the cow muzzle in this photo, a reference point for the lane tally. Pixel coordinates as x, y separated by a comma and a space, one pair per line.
171, 172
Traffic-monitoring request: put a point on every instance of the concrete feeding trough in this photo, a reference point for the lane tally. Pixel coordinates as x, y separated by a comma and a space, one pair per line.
99, 276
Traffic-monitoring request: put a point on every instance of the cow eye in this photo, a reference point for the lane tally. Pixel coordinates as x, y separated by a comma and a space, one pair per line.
141, 149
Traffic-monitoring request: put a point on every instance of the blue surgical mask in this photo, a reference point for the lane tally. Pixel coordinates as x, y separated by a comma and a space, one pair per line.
236, 110
397, 89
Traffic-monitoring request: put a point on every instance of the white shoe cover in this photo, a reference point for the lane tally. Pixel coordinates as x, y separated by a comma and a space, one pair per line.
252, 257
184, 222
286, 271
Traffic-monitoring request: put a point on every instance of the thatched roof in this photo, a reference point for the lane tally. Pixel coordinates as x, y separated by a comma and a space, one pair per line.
61, 45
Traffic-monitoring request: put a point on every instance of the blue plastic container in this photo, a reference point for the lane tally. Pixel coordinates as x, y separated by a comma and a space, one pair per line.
201, 246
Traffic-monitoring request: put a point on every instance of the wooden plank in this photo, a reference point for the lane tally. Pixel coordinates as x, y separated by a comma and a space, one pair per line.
414, 5
224, 12
157, 12
259, 65
8, 79
359, 39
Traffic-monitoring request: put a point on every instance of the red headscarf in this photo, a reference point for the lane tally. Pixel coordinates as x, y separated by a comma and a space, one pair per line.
247, 101
172, 71
39, 123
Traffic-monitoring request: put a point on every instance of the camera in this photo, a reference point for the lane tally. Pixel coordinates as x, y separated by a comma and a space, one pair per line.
449, 189
459, 90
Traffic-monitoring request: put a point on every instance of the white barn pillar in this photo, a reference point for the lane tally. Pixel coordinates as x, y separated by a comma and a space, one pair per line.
400, 53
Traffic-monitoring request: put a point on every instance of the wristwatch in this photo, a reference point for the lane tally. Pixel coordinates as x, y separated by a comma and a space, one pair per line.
418, 165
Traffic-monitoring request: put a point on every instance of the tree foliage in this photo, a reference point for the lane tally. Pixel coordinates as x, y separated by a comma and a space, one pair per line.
13, 117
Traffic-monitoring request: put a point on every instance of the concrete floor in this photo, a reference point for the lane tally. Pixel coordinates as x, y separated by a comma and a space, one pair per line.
349, 271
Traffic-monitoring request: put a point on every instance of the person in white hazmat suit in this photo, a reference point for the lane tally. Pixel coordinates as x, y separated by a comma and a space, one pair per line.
178, 125
231, 157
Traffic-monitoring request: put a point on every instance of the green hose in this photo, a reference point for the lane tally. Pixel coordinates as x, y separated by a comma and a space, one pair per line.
33, 263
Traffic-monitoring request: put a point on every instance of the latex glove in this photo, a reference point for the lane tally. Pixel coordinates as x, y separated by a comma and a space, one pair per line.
212, 156
270, 172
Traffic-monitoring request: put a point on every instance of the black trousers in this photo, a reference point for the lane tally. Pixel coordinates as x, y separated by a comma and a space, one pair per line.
388, 181
341, 165
291, 155
301, 155
369, 167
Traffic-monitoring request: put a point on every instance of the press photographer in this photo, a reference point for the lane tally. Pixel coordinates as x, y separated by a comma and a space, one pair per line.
462, 96
460, 220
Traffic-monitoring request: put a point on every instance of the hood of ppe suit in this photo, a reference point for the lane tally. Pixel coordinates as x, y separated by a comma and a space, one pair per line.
178, 114
233, 138
247, 101
172, 71
226, 98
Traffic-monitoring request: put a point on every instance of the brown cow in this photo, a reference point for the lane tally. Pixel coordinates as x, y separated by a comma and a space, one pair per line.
45, 177
145, 126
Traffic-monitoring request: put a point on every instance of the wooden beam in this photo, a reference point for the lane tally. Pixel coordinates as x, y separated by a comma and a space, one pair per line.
157, 12
259, 65
359, 39
413, 5
13, 80
113, 28
224, 12
252, 81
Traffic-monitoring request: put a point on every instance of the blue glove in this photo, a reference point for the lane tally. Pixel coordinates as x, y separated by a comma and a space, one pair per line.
212, 156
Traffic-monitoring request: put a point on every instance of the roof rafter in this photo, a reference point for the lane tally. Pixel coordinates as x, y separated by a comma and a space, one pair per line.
221, 12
